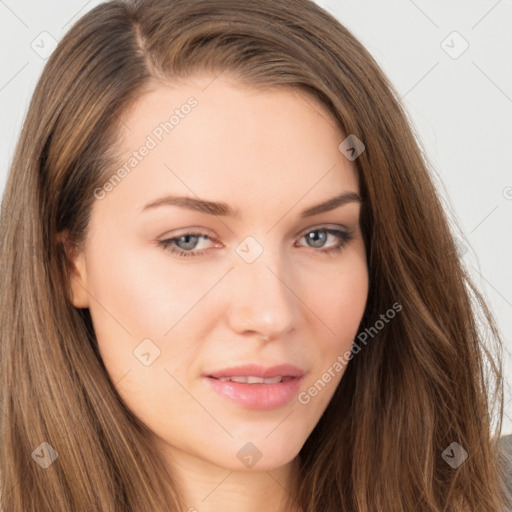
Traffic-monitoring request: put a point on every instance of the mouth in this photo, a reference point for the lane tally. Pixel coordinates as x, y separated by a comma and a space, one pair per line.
257, 387
251, 379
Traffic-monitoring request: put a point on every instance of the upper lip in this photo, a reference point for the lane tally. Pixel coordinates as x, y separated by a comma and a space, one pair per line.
280, 370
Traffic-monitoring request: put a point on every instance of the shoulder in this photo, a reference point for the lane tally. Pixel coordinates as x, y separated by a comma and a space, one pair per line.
505, 456
505, 453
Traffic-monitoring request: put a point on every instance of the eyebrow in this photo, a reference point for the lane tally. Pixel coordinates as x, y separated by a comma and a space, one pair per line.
223, 209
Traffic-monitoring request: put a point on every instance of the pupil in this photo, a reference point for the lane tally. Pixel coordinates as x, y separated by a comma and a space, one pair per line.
189, 244
315, 239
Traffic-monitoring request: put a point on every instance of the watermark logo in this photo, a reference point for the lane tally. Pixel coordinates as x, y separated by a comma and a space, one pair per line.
454, 45
249, 249
45, 455
352, 147
249, 455
44, 44
146, 352
454, 455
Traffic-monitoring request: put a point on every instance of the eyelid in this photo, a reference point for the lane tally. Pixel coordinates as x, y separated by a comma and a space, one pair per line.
321, 226
185, 231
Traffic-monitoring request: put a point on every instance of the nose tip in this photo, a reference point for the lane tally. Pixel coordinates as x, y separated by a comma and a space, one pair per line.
262, 301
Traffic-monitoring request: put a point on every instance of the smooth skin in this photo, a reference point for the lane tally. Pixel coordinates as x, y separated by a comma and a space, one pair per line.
270, 154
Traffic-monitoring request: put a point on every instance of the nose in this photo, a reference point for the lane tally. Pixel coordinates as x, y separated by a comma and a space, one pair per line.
263, 300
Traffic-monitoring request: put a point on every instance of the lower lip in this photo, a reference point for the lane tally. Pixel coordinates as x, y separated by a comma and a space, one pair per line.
257, 396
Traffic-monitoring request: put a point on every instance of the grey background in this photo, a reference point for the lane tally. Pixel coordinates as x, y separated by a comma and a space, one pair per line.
459, 100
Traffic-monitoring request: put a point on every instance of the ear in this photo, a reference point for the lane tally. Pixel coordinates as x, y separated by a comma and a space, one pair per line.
75, 259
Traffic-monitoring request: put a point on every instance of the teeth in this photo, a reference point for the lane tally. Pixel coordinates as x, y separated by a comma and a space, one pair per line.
252, 380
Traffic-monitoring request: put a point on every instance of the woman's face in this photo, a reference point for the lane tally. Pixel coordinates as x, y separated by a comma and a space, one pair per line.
253, 287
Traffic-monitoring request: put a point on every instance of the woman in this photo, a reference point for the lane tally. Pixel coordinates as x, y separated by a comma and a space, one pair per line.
229, 281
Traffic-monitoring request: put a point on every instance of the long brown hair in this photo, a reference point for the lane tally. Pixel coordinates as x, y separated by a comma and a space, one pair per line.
426, 381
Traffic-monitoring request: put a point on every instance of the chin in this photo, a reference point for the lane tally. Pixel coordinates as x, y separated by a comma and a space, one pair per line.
260, 456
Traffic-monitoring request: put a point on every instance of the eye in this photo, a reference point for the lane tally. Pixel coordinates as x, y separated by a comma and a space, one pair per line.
186, 245
316, 238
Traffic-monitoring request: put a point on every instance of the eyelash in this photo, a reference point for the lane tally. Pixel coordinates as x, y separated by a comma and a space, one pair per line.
344, 238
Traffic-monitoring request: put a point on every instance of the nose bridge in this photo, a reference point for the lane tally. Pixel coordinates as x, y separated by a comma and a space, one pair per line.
262, 300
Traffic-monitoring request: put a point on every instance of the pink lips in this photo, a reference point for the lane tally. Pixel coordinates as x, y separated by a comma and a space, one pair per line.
258, 396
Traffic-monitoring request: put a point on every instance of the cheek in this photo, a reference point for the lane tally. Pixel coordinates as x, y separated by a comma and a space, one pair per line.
339, 296
339, 299
139, 317
146, 312
142, 292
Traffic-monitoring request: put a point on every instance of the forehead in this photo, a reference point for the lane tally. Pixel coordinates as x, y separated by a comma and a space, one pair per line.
223, 140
